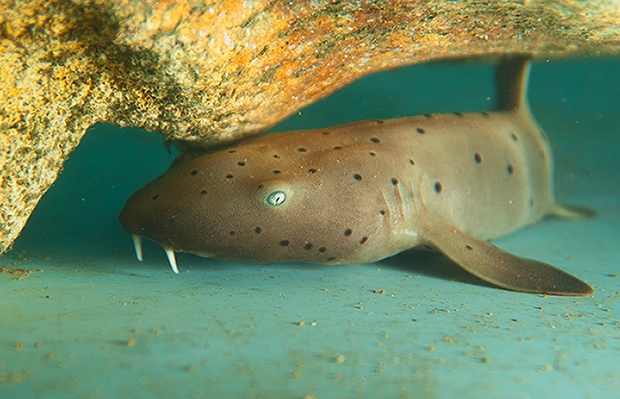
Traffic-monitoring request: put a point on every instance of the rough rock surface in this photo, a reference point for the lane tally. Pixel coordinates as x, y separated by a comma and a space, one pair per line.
214, 71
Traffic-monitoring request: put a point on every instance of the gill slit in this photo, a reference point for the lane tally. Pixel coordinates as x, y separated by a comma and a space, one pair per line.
399, 202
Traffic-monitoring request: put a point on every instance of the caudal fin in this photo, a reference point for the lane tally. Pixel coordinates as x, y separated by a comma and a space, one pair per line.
570, 212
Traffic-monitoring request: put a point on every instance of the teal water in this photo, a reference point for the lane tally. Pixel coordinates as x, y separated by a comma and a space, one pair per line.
92, 322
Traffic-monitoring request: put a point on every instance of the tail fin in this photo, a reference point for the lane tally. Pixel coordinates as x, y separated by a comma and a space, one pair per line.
511, 79
570, 212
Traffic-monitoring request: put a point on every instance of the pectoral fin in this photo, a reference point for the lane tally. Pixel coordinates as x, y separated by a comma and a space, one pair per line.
502, 269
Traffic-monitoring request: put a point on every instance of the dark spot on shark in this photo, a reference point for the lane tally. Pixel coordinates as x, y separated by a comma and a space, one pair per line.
420, 130
348, 232
229, 176
438, 187
510, 169
326, 133
372, 154
380, 121
276, 156
194, 172
232, 151
363, 240
311, 171
412, 162
308, 246
284, 243
231, 233
301, 149
478, 158
322, 250
381, 212
276, 172
428, 115
514, 136
394, 181
155, 197
458, 113
203, 192
484, 113
375, 139
337, 147
241, 163
258, 230
357, 177
469, 247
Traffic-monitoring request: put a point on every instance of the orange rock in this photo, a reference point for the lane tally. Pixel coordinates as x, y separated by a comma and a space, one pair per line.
208, 72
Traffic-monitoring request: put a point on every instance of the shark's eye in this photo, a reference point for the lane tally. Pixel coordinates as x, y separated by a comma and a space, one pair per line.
276, 198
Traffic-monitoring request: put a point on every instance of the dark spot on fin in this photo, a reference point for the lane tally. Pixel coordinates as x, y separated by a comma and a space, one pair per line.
500, 268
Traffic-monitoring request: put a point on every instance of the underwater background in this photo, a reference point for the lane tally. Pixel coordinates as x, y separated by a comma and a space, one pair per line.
90, 321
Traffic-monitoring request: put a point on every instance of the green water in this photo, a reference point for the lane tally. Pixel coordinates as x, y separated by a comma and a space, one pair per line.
92, 322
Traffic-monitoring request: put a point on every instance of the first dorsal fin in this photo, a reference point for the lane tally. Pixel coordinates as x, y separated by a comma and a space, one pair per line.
511, 79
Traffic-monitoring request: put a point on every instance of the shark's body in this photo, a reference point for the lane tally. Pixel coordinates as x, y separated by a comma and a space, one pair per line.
368, 190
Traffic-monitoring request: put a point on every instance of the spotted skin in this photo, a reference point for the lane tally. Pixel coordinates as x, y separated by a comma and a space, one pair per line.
364, 191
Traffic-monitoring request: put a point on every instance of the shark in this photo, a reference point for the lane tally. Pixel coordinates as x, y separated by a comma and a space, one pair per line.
364, 191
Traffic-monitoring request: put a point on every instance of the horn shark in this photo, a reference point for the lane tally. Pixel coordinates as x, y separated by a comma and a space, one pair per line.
364, 191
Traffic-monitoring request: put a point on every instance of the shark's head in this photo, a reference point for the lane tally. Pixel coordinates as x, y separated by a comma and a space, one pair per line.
269, 200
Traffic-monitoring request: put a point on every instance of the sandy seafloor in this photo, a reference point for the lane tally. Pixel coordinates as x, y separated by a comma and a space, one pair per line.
92, 322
